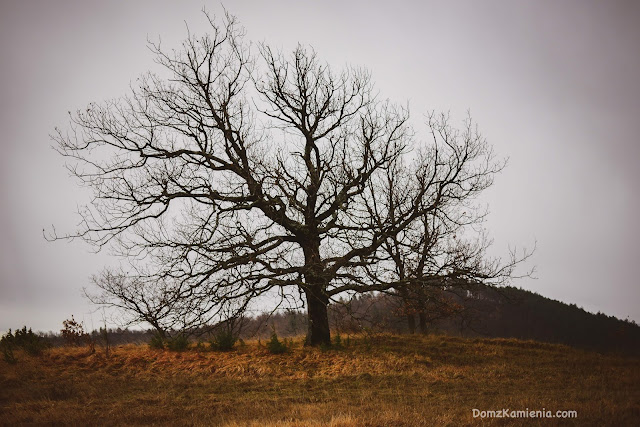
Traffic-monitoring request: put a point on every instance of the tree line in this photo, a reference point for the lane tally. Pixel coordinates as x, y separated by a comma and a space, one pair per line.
485, 311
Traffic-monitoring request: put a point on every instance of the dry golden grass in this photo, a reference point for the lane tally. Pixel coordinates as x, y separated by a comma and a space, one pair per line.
387, 380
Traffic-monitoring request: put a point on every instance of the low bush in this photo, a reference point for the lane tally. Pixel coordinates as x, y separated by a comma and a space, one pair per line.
30, 342
275, 346
7, 345
157, 342
178, 343
23, 338
337, 342
223, 340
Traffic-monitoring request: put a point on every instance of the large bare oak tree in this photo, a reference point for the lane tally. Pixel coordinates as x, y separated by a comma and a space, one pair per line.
234, 173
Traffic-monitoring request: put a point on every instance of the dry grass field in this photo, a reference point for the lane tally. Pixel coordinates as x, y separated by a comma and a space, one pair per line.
384, 380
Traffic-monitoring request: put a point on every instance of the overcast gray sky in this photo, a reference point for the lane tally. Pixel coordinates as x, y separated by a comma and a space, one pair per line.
552, 85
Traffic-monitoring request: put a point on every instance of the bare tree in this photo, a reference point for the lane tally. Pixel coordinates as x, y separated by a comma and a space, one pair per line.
239, 175
444, 251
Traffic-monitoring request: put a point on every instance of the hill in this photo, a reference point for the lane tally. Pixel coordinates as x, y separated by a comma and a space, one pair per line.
517, 313
371, 380
507, 312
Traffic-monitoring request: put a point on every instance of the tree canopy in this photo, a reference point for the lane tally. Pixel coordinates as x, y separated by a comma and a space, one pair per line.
235, 173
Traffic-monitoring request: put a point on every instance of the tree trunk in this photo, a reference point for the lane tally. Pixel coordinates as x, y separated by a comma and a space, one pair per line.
318, 319
411, 321
423, 322
408, 310
317, 300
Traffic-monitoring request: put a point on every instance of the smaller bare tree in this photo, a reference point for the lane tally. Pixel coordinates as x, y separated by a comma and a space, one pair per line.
74, 334
443, 253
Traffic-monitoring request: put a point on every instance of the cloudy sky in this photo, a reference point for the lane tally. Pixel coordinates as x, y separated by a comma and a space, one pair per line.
552, 85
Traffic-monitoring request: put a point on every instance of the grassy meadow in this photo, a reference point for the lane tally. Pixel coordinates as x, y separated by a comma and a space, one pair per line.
372, 381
